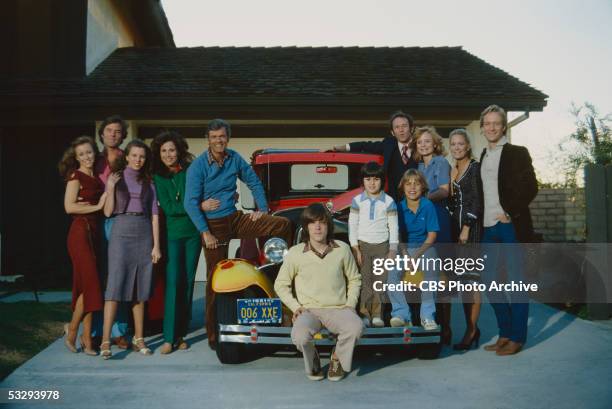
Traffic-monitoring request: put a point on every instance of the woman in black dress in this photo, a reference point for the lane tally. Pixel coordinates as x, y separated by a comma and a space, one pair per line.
466, 210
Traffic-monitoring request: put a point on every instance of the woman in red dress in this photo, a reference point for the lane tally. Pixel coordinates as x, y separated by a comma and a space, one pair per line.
84, 200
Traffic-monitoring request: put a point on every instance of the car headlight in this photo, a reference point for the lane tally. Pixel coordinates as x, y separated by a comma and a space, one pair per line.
275, 249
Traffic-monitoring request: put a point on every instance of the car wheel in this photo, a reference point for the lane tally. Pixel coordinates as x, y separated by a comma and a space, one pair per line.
428, 351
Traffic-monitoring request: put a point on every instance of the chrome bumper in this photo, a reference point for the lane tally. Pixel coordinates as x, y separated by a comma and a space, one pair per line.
256, 334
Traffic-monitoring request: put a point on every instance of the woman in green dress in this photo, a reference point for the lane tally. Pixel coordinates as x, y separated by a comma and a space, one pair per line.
170, 161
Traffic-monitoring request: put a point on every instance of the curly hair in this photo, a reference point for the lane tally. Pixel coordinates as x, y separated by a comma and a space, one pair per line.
144, 174
435, 136
184, 158
69, 163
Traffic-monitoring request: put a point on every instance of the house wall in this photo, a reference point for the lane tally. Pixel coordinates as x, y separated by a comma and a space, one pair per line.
107, 30
43, 38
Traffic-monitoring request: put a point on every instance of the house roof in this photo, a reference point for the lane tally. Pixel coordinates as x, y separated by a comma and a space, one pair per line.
435, 78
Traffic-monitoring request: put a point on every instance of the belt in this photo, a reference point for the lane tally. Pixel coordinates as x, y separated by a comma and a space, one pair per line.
134, 213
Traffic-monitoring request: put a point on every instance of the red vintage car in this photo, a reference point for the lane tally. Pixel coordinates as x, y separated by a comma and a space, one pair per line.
248, 311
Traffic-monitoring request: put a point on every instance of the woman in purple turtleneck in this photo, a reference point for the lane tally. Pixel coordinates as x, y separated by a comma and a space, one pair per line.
134, 241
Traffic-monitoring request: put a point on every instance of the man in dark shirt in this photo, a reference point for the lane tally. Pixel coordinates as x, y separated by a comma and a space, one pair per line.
394, 148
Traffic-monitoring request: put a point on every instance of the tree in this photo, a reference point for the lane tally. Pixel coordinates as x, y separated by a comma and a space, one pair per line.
590, 143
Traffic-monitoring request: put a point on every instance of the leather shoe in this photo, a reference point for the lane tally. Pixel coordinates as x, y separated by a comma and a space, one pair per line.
121, 342
500, 343
510, 348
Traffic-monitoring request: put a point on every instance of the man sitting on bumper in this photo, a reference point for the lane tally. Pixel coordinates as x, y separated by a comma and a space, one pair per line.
327, 284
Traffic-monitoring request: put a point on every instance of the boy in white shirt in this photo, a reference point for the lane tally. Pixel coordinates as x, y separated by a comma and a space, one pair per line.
373, 233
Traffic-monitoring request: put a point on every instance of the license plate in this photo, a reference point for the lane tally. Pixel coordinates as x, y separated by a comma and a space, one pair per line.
259, 311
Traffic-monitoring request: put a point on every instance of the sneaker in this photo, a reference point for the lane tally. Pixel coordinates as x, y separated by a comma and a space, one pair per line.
378, 323
397, 322
366, 322
428, 325
317, 372
335, 372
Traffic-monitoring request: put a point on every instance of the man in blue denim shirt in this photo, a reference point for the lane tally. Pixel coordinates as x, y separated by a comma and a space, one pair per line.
210, 201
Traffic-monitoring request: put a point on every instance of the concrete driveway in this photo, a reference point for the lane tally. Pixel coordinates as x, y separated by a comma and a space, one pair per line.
567, 364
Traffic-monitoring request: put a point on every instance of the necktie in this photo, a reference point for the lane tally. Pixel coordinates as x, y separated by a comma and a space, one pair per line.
405, 154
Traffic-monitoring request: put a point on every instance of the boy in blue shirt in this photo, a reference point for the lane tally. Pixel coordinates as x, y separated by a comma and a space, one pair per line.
418, 224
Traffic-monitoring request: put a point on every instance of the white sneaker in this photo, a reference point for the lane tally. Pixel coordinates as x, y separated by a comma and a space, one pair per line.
428, 325
366, 322
378, 323
397, 322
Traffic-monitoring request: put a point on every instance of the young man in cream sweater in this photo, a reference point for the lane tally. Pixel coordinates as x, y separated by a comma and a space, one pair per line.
327, 284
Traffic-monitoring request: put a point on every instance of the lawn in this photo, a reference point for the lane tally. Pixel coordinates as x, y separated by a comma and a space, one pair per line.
26, 328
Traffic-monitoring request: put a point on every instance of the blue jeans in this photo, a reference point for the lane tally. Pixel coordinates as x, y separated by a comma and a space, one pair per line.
502, 248
120, 325
399, 306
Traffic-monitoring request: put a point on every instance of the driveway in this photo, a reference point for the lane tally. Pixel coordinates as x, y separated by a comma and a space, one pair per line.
567, 363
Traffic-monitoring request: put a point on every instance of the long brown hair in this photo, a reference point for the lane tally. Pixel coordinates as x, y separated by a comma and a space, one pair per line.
316, 212
69, 163
183, 157
144, 174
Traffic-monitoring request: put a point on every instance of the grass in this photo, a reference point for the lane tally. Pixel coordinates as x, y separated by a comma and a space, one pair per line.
26, 328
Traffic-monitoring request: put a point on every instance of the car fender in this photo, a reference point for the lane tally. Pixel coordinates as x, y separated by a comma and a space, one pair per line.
237, 274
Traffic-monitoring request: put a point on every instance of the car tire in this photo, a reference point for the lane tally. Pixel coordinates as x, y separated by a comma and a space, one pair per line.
428, 351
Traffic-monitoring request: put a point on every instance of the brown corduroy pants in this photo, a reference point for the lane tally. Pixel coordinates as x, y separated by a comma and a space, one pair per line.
237, 225
370, 304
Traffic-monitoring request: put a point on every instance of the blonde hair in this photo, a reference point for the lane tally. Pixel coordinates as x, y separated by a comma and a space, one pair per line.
497, 109
411, 174
462, 132
435, 136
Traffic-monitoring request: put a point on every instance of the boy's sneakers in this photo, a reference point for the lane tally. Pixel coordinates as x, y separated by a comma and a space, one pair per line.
317, 373
397, 322
377, 322
428, 324
366, 322
335, 372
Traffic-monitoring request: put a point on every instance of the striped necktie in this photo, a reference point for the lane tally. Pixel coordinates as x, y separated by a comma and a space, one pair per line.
405, 154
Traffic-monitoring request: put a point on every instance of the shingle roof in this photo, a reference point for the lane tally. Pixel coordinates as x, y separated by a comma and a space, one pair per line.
430, 76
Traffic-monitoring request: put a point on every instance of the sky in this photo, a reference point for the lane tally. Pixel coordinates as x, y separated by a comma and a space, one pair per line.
562, 47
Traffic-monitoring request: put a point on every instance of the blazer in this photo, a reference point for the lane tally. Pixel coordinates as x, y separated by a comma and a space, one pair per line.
517, 187
384, 147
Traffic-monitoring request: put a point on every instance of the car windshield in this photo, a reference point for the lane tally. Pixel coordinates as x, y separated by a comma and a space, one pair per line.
284, 180
319, 177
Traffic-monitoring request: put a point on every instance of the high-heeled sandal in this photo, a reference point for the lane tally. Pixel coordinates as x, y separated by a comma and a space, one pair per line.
69, 345
182, 344
465, 346
87, 351
106, 353
142, 348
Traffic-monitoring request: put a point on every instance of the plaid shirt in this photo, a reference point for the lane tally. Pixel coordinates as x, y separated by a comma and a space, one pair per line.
212, 158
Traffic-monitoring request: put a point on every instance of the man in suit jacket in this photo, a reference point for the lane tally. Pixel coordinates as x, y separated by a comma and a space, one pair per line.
509, 185
395, 150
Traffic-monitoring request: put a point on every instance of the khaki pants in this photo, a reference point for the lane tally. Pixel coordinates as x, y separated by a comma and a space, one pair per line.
236, 226
370, 304
343, 322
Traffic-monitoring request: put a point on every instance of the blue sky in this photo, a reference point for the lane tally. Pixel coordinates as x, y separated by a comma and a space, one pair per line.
563, 47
